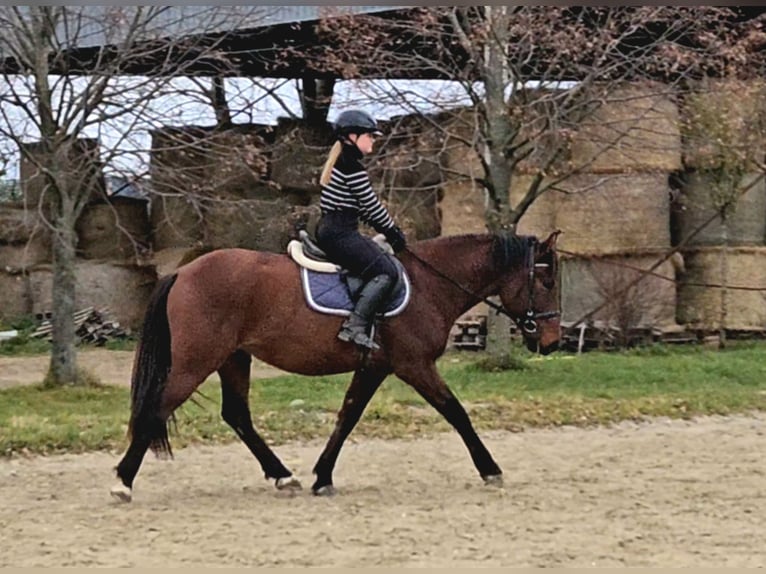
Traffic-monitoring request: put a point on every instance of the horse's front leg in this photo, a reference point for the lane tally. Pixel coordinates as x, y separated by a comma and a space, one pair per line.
427, 381
363, 386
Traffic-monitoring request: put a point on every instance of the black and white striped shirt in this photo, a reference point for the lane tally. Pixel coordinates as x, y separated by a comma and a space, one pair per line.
349, 189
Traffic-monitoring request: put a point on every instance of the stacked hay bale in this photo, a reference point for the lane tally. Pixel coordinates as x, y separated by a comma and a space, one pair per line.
406, 171
211, 190
723, 129
114, 229
615, 213
24, 243
123, 287
109, 232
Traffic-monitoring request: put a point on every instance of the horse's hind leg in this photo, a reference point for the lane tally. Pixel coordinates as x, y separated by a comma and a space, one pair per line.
363, 386
235, 387
179, 387
425, 379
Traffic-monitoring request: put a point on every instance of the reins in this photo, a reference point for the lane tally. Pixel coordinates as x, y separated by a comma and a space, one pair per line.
529, 322
477, 298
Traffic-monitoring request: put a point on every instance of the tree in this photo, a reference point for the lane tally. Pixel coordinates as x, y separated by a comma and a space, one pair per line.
63, 83
536, 76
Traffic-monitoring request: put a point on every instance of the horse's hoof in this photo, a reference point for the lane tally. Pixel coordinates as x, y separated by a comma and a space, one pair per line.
493, 480
326, 490
288, 483
122, 493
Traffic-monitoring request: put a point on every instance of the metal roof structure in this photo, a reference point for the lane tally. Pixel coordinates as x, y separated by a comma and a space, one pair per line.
255, 38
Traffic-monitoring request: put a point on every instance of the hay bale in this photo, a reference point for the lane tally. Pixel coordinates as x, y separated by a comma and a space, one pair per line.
462, 208
14, 300
700, 199
601, 214
700, 307
298, 154
18, 225
417, 212
540, 217
167, 261
83, 171
23, 255
722, 124
249, 224
125, 289
636, 127
411, 154
589, 282
117, 229
176, 221
208, 163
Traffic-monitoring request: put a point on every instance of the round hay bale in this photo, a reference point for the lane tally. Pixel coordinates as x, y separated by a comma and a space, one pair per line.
410, 155
636, 127
722, 124
602, 214
124, 289
23, 255
589, 282
417, 212
209, 163
83, 169
14, 299
176, 221
540, 217
167, 261
700, 307
462, 208
249, 224
118, 229
18, 225
298, 154
698, 201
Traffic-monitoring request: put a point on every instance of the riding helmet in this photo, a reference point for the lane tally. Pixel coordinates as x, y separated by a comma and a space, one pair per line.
356, 122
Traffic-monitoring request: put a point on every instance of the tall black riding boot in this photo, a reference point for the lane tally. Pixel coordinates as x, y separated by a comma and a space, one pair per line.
372, 296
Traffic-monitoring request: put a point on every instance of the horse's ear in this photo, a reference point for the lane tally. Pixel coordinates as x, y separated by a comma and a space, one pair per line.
550, 243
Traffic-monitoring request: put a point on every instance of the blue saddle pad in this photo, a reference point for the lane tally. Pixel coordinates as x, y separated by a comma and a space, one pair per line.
329, 293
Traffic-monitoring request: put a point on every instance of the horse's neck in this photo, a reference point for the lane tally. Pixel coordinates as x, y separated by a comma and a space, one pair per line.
467, 261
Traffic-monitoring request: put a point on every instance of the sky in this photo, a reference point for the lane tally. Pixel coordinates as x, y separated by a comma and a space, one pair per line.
250, 101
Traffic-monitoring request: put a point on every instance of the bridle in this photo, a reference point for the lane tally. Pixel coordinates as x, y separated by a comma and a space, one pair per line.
528, 323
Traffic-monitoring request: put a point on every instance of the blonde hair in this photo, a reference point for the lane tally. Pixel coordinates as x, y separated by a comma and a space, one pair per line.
330, 163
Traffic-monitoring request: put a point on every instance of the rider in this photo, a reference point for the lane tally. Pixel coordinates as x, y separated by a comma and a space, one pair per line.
346, 198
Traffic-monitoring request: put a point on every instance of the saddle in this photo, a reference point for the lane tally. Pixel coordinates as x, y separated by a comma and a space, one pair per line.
329, 288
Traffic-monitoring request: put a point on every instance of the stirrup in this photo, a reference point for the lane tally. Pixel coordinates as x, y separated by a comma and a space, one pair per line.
358, 338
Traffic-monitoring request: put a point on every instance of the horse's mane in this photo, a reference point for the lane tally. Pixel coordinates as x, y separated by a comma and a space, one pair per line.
508, 250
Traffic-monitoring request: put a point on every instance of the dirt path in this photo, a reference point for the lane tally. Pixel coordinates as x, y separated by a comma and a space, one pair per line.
111, 367
658, 494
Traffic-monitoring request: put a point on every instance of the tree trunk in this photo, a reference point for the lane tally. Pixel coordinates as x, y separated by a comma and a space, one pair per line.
63, 365
724, 263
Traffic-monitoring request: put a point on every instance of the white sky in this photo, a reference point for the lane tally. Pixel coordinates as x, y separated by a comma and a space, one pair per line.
249, 103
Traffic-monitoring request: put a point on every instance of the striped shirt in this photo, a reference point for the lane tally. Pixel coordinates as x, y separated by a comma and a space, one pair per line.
349, 189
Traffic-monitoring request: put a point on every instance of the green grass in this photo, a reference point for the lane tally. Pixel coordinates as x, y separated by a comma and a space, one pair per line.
594, 388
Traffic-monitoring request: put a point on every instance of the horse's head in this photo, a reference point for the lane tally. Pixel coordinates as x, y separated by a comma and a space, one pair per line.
529, 293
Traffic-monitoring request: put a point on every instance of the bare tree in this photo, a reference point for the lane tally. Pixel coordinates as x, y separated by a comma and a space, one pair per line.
535, 75
64, 80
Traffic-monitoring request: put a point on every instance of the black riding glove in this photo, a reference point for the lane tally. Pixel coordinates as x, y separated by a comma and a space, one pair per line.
396, 238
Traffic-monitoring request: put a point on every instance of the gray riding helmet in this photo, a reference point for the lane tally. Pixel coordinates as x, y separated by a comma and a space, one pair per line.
356, 122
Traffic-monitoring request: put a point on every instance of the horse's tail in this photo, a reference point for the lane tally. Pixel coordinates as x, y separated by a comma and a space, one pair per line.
150, 371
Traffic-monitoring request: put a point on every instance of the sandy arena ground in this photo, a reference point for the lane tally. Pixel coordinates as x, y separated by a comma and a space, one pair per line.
664, 493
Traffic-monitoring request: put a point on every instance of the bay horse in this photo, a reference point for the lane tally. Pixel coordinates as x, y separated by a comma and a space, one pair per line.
221, 309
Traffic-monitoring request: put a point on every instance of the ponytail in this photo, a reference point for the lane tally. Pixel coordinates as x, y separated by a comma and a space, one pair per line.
330, 163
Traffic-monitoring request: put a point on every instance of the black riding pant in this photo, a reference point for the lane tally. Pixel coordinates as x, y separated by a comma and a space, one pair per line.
338, 235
